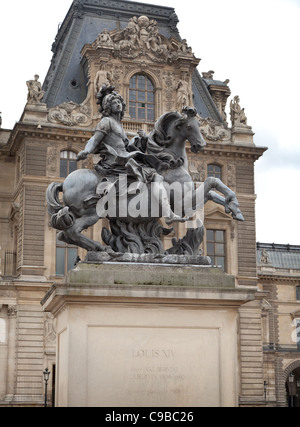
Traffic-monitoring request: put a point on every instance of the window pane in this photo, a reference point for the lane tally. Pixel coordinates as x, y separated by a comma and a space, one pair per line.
210, 235
220, 249
150, 114
64, 154
72, 156
142, 96
72, 166
63, 168
60, 261
72, 255
210, 248
142, 113
220, 262
149, 85
132, 96
151, 97
141, 82
219, 236
132, 113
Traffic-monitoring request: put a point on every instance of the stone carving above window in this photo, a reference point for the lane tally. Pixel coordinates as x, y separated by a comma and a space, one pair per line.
213, 130
142, 37
70, 114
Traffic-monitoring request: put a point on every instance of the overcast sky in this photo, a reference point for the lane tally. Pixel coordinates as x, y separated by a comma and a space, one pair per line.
253, 43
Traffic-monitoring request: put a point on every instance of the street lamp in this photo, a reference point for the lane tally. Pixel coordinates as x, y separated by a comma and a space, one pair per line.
46, 374
291, 384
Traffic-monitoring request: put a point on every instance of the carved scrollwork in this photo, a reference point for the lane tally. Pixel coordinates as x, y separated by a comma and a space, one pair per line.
70, 114
213, 130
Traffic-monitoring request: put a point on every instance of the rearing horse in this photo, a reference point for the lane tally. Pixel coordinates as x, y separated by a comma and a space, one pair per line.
166, 143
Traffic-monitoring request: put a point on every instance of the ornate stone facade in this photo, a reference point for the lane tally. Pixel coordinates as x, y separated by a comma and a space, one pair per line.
125, 43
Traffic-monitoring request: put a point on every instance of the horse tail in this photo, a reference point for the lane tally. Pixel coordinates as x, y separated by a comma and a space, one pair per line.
52, 197
61, 218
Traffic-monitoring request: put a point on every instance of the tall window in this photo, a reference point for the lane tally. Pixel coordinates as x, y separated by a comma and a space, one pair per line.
68, 163
216, 247
66, 256
214, 171
298, 293
141, 98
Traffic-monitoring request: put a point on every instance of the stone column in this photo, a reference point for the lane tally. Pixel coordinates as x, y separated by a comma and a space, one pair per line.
11, 364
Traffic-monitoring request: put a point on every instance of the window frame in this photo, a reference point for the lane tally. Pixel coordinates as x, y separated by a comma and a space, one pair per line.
135, 101
214, 174
69, 157
216, 242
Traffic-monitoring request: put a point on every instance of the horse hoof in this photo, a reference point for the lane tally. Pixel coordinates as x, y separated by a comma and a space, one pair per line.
239, 217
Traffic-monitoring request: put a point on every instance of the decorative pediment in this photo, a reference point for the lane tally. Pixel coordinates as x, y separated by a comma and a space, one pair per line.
217, 214
142, 38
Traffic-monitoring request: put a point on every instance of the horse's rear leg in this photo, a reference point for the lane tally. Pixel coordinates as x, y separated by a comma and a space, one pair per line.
73, 234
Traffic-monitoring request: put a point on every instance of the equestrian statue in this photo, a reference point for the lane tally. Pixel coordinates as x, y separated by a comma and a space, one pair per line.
135, 184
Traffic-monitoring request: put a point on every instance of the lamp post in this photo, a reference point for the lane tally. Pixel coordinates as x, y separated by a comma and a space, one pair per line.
46, 374
291, 384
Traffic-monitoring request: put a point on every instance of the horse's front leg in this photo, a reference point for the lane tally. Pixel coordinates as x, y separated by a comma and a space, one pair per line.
230, 201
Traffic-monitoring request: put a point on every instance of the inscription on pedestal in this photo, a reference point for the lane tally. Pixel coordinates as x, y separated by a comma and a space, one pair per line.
139, 366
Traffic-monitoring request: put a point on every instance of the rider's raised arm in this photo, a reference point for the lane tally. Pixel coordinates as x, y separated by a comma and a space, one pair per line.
92, 145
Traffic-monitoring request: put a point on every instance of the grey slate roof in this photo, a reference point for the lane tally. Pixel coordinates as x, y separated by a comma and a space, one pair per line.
84, 21
280, 256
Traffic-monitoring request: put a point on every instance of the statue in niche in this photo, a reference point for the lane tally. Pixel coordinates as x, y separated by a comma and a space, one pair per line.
103, 77
35, 92
237, 114
184, 95
130, 186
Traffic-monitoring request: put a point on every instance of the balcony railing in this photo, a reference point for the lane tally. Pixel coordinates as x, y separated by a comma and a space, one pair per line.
134, 127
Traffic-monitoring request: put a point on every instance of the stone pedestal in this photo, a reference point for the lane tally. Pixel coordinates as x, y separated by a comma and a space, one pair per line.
146, 336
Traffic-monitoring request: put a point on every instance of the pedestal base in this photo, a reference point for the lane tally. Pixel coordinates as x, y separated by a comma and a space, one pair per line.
146, 336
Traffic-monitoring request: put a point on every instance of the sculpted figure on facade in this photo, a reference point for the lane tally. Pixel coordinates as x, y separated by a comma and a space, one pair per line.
237, 114
142, 37
103, 77
35, 92
184, 93
104, 39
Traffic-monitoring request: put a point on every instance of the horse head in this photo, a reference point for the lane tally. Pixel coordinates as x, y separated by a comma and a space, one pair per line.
190, 127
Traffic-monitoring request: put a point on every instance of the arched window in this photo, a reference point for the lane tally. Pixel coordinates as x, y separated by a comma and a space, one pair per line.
141, 98
214, 171
68, 163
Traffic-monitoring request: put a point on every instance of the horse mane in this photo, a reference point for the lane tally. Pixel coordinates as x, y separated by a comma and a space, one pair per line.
159, 139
